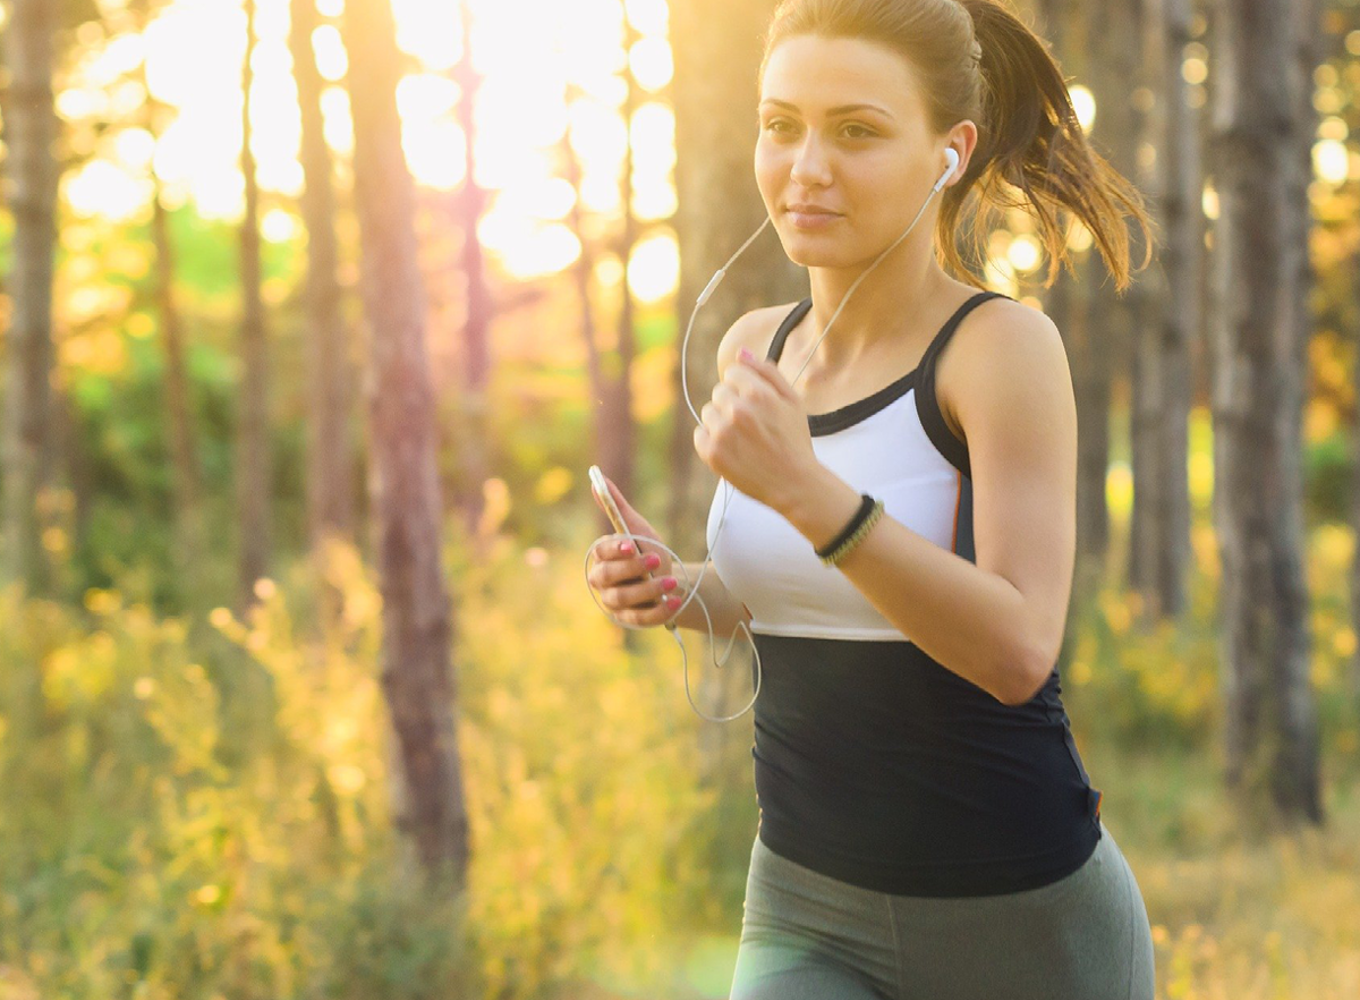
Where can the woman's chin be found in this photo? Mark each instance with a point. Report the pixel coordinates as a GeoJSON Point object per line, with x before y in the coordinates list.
{"type": "Point", "coordinates": [806, 253]}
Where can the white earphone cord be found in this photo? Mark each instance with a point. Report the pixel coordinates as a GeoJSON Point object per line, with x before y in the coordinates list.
{"type": "Point", "coordinates": [953, 157]}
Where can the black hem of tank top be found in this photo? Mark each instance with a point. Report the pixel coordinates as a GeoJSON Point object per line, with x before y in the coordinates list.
{"type": "Point", "coordinates": [922, 378]}
{"type": "Point", "coordinates": [946, 881]}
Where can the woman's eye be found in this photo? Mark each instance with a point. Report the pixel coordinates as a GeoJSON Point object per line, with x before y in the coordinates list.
{"type": "Point", "coordinates": [864, 133]}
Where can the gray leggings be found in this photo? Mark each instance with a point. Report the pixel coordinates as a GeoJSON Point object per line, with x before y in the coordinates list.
{"type": "Point", "coordinates": [807, 936]}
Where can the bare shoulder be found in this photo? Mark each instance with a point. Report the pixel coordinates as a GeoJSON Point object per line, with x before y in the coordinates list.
{"type": "Point", "coordinates": [1001, 336]}
{"type": "Point", "coordinates": [754, 331]}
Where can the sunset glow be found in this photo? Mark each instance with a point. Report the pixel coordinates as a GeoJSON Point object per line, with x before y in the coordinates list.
{"type": "Point", "coordinates": [530, 54]}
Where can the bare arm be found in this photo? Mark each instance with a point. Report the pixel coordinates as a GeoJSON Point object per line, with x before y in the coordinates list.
{"type": "Point", "coordinates": [725, 610]}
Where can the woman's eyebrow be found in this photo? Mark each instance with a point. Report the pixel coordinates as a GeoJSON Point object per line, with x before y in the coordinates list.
{"type": "Point", "coordinates": [842, 109]}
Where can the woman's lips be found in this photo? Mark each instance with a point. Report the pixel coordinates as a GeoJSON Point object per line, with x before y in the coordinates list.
{"type": "Point", "coordinates": [812, 219]}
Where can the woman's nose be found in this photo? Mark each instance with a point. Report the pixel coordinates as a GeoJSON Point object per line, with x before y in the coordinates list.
{"type": "Point", "coordinates": [810, 165]}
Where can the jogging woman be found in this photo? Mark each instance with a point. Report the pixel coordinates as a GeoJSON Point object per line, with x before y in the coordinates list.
{"type": "Point", "coordinates": [900, 538]}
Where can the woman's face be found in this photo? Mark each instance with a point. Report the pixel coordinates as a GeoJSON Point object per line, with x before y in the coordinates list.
{"type": "Point", "coordinates": [843, 127]}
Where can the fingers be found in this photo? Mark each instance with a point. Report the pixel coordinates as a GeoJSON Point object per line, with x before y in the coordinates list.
{"type": "Point", "coordinates": [646, 603]}
{"type": "Point", "coordinates": [628, 582]}
{"type": "Point", "coordinates": [612, 573]}
{"type": "Point", "coordinates": [610, 547]}
{"type": "Point", "coordinates": [631, 589]}
{"type": "Point", "coordinates": [653, 614]}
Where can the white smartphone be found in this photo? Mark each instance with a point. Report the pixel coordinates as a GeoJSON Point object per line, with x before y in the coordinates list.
{"type": "Point", "coordinates": [601, 489]}
{"type": "Point", "coordinates": [611, 509]}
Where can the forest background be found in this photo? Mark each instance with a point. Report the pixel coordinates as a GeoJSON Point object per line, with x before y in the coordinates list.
{"type": "Point", "coordinates": [302, 691]}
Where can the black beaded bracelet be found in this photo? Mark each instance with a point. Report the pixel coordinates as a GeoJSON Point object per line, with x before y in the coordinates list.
{"type": "Point", "coordinates": [866, 507]}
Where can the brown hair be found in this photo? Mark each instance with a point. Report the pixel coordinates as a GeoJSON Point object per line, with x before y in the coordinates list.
{"type": "Point", "coordinates": [977, 60]}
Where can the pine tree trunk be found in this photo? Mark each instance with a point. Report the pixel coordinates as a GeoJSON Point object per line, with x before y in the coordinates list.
{"type": "Point", "coordinates": [1258, 395]}
{"type": "Point", "coordinates": [1297, 782]}
{"type": "Point", "coordinates": [476, 376]}
{"type": "Point", "coordinates": [1116, 44]}
{"type": "Point", "coordinates": [186, 480]}
{"type": "Point", "coordinates": [583, 280]}
{"type": "Point", "coordinates": [30, 127]}
{"type": "Point", "coordinates": [330, 460]}
{"type": "Point", "coordinates": [1163, 384]}
{"type": "Point", "coordinates": [419, 686]}
{"type": "Point", "coordinates": [252, 453]}
{"type": "Point", "coordinates": [179, 418]}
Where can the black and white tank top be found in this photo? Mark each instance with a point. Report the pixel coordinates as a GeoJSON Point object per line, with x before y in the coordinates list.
{"type": "Point", "coordinates": [874, 763]}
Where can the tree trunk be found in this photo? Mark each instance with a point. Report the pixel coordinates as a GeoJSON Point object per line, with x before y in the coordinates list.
{"type": "Point", "coordinates": [1272, 764]}
{"type": "Point", "coordinates": [617, 435]}
{"type": "Point", "coordinates": [179, 418]}
{"type": "Point", "coordinates": [330, 377]}
{"type": "Point", "coordinates": [1163, 381]}
{"type": "Point", "coordinates": [420, 688]}
{"type": "Point", "coordinates": [583, 278]}
{"type": "Point", "coordinates": [716, 93]}
{"type": "Point", "coordinates": [30, 128]}
{"type": "Point", "coordinates": [476, 378]}
{"type": "Point", "coordinates": [186, 484]}
{"type": "Point", "coordinates": [1115, 41]}
{"type": "Point", "coordinates": [252, 454]}
{"type": "Point", "coordinates": [330, 461]}
{"type": "Point", "coordinates": [1297, 781]}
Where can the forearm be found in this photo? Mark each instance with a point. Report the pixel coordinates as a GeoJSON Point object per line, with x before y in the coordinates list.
{"type": "Point", "coordinates": [725, 610]}
{"type": "Point", "coordinates": [967, 619]}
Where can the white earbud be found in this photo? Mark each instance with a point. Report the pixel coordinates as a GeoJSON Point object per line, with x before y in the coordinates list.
{"type": "Point", "coordinates": [952, 155]}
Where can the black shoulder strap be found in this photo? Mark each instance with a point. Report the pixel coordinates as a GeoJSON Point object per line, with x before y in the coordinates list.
{"type": "Point", "coordinates": [927, 406]}
{"type": "Point", "coordinates": [782, 334]}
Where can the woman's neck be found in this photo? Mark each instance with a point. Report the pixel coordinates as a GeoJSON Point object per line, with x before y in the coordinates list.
{"type": "Point", "coordinates": [888, 301]}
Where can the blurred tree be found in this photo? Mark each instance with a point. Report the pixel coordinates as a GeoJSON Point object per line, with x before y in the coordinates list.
{"type": "Point", "coordinates": [1271, 728]}
{"type": "Point", "coordinates": [1163, 381]}
{"type": "Point", "coordinates": [29, 132]}
{"type": "Point", "coordinates": [188, 549]}
{"type": "Point", "coordinates": [616, 430]}
{"type": "Point", "coordinates": [476, 375]}
{"type": "Point", "coordinates": [420, 688]}
{"type": "Point", "coordinates": [252, 432]}
{"type": "Point", "coordinates": [330, 462]}
{"type": "Point", "coordinates": [1116, 50]}
{"type": "Point", "coordinates": [583, 280]}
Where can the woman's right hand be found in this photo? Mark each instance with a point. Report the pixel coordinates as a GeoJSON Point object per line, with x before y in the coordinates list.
{"type": "Point", "coordinates": [619, 576]}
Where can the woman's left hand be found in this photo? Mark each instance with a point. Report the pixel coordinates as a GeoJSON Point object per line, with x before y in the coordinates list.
{"type": "Point", "coordinates": [754, 433]}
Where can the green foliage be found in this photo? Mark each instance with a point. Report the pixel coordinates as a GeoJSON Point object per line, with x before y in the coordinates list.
{"type": "Point", "coordinates": [204, 816]}
{"type": "Point", "coordinates": [1328, 469]}
{"type": "Point", "coordinates": [1143, 685]}
{"type": "Point", "coordinates": [581, 764]}
{"type": "Point", "coordinates": [203, 811]}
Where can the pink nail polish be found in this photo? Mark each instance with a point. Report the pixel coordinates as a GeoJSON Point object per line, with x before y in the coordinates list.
{"type": "Point", "coordinates": [653, 560]}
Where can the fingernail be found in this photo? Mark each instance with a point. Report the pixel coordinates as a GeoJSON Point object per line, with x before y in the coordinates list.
{"type": "Point", "coordinates": [668, 583]}
{"type": "Point", "coordinates": [626, 547]}
{"type": "Point", "coordinates": [673, 601]}
{"type": "Point", "coordinates": [653, 560]}
{"type": "Point", "coordinates": [746, 355]}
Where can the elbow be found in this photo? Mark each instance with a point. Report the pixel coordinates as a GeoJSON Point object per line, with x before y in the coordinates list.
{"type": "Point", "coordinates": [1025, 675]}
